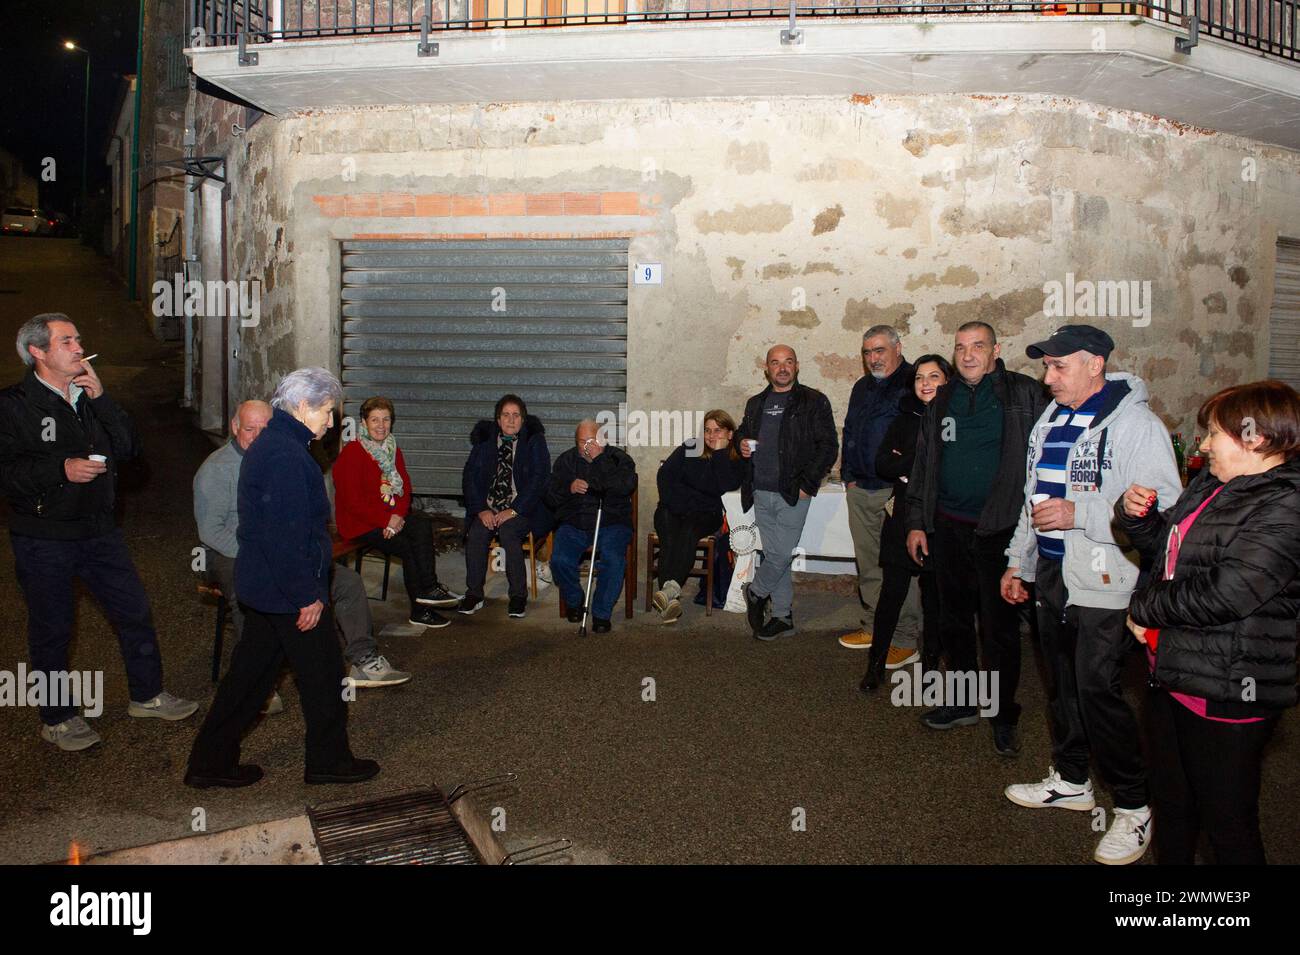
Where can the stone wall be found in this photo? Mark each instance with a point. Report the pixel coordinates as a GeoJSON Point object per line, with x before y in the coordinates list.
{"type": "Point", "coordinates": [801, 221]}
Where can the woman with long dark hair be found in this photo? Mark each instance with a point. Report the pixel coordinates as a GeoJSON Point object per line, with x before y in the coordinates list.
{"type": "Point", "coordinates": [691, 484]}
{"type": "Point", "coordinates": [1218, 619]}
{"type": "Point", "coordinates": [894, 463]}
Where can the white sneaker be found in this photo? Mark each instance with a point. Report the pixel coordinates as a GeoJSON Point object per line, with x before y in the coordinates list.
{"type": "Point", "coordinates": [71, 735]}
{"type": "Point", "coordinates": [164, 706]}
{"type": "Point", "coordinates": [1127, 839]}
{"type": "Point", "coordinates": [377, 671]}
{"type": "Point", "coordinates": [665, 595]}
{"type": "Point", "coordinates": [1052, 793]}
{"type": "Point", "coordinates": [544, 572]}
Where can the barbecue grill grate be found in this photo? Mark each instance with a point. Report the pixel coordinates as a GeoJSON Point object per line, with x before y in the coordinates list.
{"type": "Point", "coordinates": [410, 827]}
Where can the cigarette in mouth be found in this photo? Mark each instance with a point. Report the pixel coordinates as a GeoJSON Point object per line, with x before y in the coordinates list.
{"type": "Point", "coordinates": [89, 357]}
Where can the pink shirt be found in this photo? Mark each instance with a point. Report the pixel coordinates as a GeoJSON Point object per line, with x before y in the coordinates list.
{"type": "Point", "coordinates": [1179, 534]}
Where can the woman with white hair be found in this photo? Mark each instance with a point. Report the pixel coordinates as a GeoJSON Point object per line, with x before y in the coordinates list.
{"type": "Point", "coordinates": [282, 577]}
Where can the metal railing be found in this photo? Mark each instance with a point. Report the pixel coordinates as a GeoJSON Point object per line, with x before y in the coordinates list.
{"type": "Point", "coordinates": [1271, 27]}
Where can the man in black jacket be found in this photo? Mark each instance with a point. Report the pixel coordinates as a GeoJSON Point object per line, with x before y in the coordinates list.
{"type": "Point", "coordinates": [60, 440]}
{"type": "Point", "coordinates": [873, 406]}
{"type": "Point", "coordinates": [581, 479]}
{"type": "Point", "coordinates": [963, 501]}
{"type": "Point", "coordinates": [788, 437]}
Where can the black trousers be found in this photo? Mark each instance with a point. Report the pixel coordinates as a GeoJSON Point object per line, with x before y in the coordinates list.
{"type": "Point", "coordinates": [969, 570]}
{"type": "Point", "coordinates": [255, 664]}
{"type": "Point", "coordinates": [894, 584]}
{"type": "Point", "coordinates": [1085, 649]}
{"type": "Point", "coordinates": [46, 569]}
{"type": "Point", "coordinates": [679, 534]}
{"type": "Point", "coordinates": [1205, 776]}
{"type": "Point", "coordinates": [414, 546]}
{"type": "Point", "coordinates": [478, 544]}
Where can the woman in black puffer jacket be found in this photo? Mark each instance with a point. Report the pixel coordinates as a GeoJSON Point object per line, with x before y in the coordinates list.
{"type": "Point", "coordinates": [894, 463]}
{"type": "Point", "coordinates": [1219, 620]}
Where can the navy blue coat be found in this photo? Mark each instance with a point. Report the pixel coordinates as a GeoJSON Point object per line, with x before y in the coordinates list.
{"type": "Point", "coordinates": [873, 406]}
{"type": "Point", "coordinates": [532, 468]}
{"type": "Point", "coordinates": [284, 540]}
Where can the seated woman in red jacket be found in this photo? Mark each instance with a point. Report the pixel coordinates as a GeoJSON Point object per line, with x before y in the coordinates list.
{"type": "Point", "coordinates": [372, 503]}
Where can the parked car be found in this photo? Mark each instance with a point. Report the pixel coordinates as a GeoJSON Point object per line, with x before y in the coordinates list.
{"type": "Point", "coordinates": [25, 221]}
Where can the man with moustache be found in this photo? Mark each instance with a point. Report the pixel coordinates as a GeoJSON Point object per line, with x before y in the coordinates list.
{"type": "Point", "coordinates": [963, 501]}
{"type": "Point", "coordinates": [873, 405]}
{"type": "Point", "coordinates": [788, 438]}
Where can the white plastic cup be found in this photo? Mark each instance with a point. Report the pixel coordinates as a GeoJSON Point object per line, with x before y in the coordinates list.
{"type": "Point", "coordinates": [1037, 499]}
{"type": "Point", "coordinates": [753, 444]}
{"type": "Point", "coordinates": [102, 459]}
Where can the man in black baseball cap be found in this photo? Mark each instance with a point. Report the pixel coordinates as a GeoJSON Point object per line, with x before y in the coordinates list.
{"type": "Point", "coordinates": [1069, 339]}
{"type": "Point", "coordinates": [1095, 440]}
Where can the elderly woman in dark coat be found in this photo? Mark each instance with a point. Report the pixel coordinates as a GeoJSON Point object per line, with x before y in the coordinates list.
{"type": "Point", "coordinates": [1218, 619]}
{"type": "Point", "coordinates": [282, 577]}
{"type": "Point", "coordinates": [503, 483]}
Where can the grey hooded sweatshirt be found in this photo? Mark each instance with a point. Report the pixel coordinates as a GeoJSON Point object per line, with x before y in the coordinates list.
{"type": "Point", "coordinates": [1099, 569]}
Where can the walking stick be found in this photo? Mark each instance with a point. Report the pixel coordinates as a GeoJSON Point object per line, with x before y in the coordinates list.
{"type": "Point", "coordinates": [591, 568]}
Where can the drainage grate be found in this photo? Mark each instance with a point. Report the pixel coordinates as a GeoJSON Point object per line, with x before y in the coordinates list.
{"type": "Point", "coordinates": [410, 827]}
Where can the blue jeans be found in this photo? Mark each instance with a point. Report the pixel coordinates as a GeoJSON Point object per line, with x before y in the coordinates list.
{"type": "Point", "coordinates": [46, 569]}
{"type": "Point", "coordinates": [570, 542]}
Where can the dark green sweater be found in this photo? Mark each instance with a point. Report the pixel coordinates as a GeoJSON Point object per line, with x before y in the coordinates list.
{"type": "Point", "coordinates": [970, 449]}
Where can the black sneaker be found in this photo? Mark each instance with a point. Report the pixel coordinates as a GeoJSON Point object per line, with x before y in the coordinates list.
{"type": "Point", "coordinates": [517, 605]}
{"type": "Point", "coordinates": [946, 717]}
{"type": "Point", "coordinates": [754, 607]}
{"type": "Point", "coordinates": [242, 775]}
{"type": "Point", "coordinates": [470, 604]}
{"type": "Point", "coordinates": [575, 615]}
{"type": "Point", "coordinates": [357, 772]}
{"type": "Point", "coordinates": [428, 618]}
{"type": "Point", "coordinates": [1006, 739]}
{"type": "Point", "coordinates": [600, 626]}
{"type": "Point", "coordinates": [438, 596]}
{"type": "Point", "coordinates": [775, 628]}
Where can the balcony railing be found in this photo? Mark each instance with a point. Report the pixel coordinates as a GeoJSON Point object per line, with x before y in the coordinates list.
{"type": "Point", "coordinates": [1271, 27]}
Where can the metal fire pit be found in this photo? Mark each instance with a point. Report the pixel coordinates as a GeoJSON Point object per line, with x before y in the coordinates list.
{"type": "Point", "coordinates": [416, 827]}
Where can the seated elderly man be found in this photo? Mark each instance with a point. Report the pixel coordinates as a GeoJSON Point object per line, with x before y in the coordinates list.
{"type": "Point", "coordinates": [216, 511]}
{"type": "Point", "coordinates": [581, 478]}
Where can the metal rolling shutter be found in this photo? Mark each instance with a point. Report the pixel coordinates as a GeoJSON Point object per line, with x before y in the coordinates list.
{"type": "Point", "coordinates": [1284, 317]}
{"type": "Point", "coordinates": [419, 327]}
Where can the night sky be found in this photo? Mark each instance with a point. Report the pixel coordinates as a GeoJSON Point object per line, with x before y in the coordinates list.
{"type": "Point", "coordinates": [44, 85]}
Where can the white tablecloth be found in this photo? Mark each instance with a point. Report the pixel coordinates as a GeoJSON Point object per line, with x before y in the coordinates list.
{"type": "Point", "coordinates": [825, 534]}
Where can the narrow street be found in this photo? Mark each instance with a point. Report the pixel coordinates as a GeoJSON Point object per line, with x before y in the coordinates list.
{"type": "Point", "coordinates": [739, 736]}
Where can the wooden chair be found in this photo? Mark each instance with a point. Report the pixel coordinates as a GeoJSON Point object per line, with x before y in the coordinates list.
{"type": "Point", "coordinates": [704, 548]}
{"type": "Point", "coordinates": [629, 569]}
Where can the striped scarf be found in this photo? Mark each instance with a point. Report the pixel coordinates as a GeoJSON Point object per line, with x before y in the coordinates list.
{"type": "Point", "coordinates": [1067, 427]}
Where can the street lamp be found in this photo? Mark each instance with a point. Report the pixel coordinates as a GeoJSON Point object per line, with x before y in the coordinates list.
{"type": "Point", "coordinates": [85, 120]}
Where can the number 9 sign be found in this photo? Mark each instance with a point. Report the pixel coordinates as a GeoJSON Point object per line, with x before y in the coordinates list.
{"type": "Point", "coordinates": [650, 273]}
